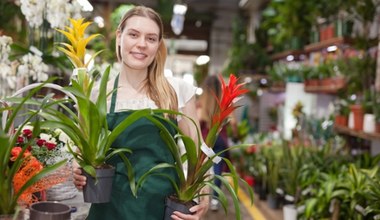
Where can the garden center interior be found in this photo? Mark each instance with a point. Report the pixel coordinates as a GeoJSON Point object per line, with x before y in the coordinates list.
{"type": "Point", "coordinates": [310, 120]}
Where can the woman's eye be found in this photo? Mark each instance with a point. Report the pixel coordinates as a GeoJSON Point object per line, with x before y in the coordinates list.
{"type": "Point", "coordinates": [152, 39]}
{"type": "Point", "coordinates": [132, 34]}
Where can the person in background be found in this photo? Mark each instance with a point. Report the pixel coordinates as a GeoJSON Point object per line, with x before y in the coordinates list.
{"type": "Point", "coordinates": [206, 107]}
{"type": "Point", "coordinates": [141, 84]}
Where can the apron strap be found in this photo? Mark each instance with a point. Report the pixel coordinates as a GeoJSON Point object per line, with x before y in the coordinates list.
{"type": "Point", "coordinates": [114, 95]}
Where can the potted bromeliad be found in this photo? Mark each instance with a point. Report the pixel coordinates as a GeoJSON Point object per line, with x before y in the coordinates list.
{"type": "Point", "coordinates": [200, 158]}
{"type": "Point", "coordinates": [22, 174]}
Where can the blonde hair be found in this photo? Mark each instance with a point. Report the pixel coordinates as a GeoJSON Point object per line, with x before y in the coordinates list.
{"type": "Point", "coordinates": [158, 87]}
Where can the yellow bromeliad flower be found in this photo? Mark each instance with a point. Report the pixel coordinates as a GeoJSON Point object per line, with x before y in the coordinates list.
{"type": "Point", "coordinates": [76, 50]}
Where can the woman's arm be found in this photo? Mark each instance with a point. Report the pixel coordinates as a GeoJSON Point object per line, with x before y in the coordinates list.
{"type": "Point", "coordinates": [186, 126]}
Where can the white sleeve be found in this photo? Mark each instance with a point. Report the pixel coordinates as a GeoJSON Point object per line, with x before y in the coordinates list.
{"type": "Point", "coordinates": [185, 91]}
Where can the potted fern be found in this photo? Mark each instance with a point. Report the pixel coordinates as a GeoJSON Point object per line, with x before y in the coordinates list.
{"type": "Point", "coordinates": [200, 158]}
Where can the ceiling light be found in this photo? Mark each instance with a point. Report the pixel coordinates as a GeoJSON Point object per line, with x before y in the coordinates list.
{"type": "Point", "coordinates": [203, 59]}
{"type": "Point", "coordinates": [180, 9]}
{"type": "Point", "coordinates": [332, 48]}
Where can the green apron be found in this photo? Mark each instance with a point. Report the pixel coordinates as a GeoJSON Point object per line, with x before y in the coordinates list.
{"type": "Point", "coordinates": [148, 150]}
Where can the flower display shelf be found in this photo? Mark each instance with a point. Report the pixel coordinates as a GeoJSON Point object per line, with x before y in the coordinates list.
{"type": "Point", "coordinates": [359, 134]}
{"type": "Point", "coordinates": [328, 85]}
{"type": "Point", "coordinates": [277, 89]}
{"type": "Point", "coordinates": [323, 89]}
{"type": "Point", "coordinates": [326, 43]}
{"type": "Point", "coordinates": [284, 54]}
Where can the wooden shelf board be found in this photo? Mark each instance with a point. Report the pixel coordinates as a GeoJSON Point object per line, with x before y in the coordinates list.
{"type": "Point", "coordinates": [360, 134]}
{"type": "Point", "coordinates": [284, 54]}
{"type": "Point", "coordinates": [322, 89]}
{"type": "Point", "coordinates": [326, 43]}
{"type": "Point", "coordinates": [276, 89]}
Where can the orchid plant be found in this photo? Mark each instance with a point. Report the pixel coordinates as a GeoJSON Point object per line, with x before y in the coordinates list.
{"type": "Point", "coordinates": [200, 156]}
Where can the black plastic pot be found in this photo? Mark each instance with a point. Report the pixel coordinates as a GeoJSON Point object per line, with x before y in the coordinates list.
{"type": "Point", "coordinates": [273, 201]}
{"type": "Point", "coordinates": [49, 211]}
{"type": "Point", "coordinates": [99, 190]}
{"type": "Point", "coordinates": [173, 204]}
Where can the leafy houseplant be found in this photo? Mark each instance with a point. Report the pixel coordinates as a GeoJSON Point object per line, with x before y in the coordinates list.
{"type": "Point", "coordinates": [273, 156]}
{"type": "Point", "coordinates": [342, 112]}
{"type": "Point", "coordinates": [200, 157]}
{"type": "Point", "coordinates": [14, 164]}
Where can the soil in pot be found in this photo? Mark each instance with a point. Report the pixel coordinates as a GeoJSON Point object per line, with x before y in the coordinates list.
{"type": "Point", "coordinates": [173, 204]}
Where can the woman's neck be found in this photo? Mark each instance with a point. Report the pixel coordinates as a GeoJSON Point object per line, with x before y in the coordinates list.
{"type": "Point", "coordinates": [132, 77]}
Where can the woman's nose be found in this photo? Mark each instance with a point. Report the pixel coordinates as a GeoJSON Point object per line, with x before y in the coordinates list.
{"type": "Point", "coordinates": [141, 42]}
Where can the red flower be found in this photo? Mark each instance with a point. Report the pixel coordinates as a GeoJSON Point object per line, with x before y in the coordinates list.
{"type": "Point", "coordinates": [40, 142]}
{"type": "Point", "coordinates": [251, 149]}
{"type": "Point", "coordinates": [50, 146]}
{"type": "Point", "coordinates": [27, 133]}
{"type": "Point", "coordinates": [230, 93]}
{"type": "Point", "coordinates": [15, 152]}
{"type": "Point", "coordinates": [229, 96]}
{"type": "Point", "coordinates": [20, 139]}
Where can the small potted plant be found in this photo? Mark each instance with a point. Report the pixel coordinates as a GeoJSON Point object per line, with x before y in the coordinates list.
{"type": "Point", "coordinates": [273, 158]}
{"type": "Point", "coordinates": [200, 158]}
{"type": "Point", "coordinates": [342, 111]}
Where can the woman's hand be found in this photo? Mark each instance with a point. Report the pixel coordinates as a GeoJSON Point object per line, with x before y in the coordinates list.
{"type": "Point", "coordinates": [198, 210]}
{"type": "Point", "coordinates": [79, 180]}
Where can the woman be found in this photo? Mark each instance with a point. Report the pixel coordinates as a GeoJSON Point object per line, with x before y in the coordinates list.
{"type": "Point", "coordinates": [141, 84]}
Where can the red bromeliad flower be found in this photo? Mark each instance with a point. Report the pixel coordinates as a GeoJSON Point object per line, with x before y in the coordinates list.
{"type": "Point", "coordinates": [230, 95]}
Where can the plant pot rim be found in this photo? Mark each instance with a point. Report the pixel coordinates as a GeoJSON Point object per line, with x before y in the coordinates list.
{"type": "Point", "coordinates": [32, 207]}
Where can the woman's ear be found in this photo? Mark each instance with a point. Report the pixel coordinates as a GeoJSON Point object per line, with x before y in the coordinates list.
{"type": "Point", "coordinates": [118, 35]}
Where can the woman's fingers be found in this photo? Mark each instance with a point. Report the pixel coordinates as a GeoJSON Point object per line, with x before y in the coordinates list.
{"type": "Point", "coordinates": [79, 180]}
{"type": "Point", "coordinates": [198, 210]}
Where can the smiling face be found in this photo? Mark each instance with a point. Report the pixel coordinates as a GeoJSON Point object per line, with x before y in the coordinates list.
{"type": "Point", "coordinates": [139, 41]}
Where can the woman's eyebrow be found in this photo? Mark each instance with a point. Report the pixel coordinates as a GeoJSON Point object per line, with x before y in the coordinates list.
{"type": "Point", "coordinates": [133, 29]}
